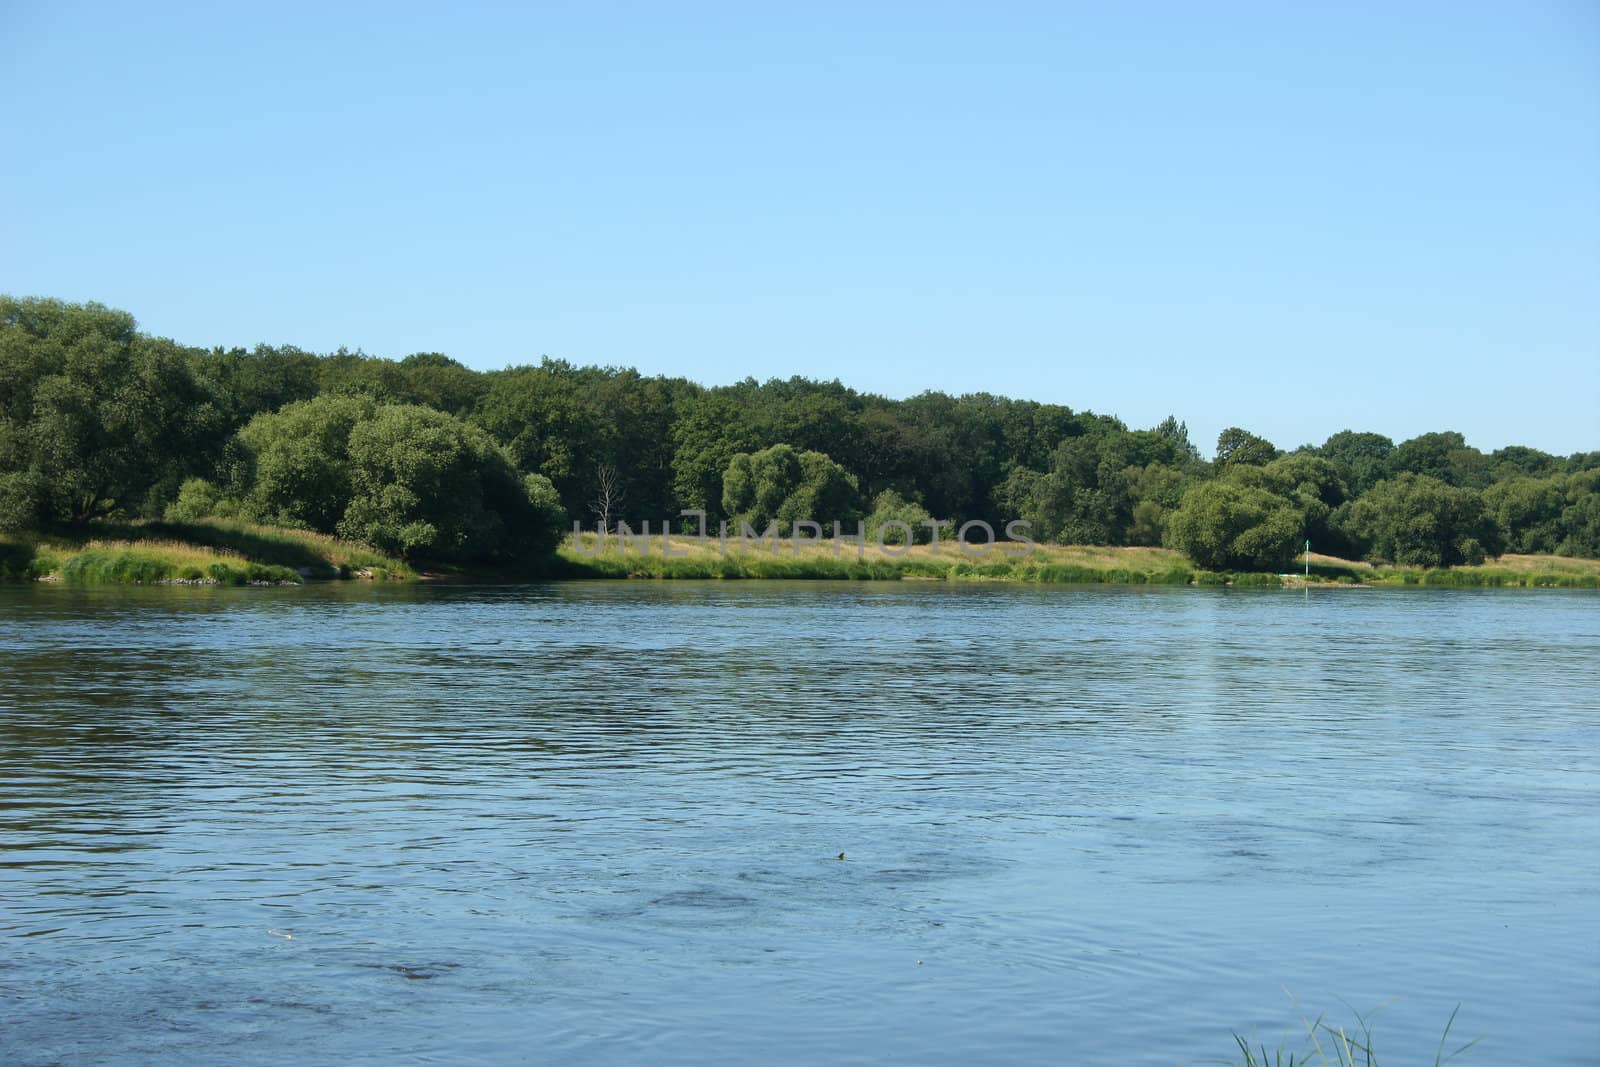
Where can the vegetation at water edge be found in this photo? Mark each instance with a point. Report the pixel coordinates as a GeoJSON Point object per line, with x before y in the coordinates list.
{"type": "Point", "coordinates": [1329, 1044]}
{"type": "Point", "coordinates": [210, 552]}
{"type": "Point", "coordinates": [432, 464]}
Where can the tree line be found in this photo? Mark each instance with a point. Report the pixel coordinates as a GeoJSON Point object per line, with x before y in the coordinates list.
{"type": "Point", "coordinates": [432, 460]}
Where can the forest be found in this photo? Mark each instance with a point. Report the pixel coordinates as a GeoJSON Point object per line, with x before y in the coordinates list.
{"type": "Point", "coordinates": [433, 461]}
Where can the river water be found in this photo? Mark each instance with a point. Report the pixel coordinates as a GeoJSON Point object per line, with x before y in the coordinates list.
{"type": "Point", "coordinates": [603, 823]}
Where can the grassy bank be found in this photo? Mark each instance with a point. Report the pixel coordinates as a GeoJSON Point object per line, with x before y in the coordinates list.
{"type": "Point", "coordinates": [1508, 571]}
{"type": "Point", "coordinates": [211, 552]}
{"type": "Point", "coordinates": [1048, 564]}
{"type": "Point", "coordinates": [230, 552]}
{"type": "Point", "coordinates": [1054, 564]}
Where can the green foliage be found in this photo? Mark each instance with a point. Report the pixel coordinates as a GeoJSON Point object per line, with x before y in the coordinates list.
{"type": "Point", "coordinates": [406, 479]}
{"type": "Point", "coordinates": [1444, 456]}
{"type": "Point", "coordinates": [264, 379]}
{"type": "Point", "coordinates": [781, 485]}
{"type": "Point", "coordinates": [1580, 515]}
{"type": "Point", "coordinates": [1106, 486]}
{"type": "Point", "coordinates": [1156, 490]}
{"type": "Point", "coordinates": [708, 431]}
{"type": "Point", "coordinates": [888, 507]}
{"type": "Point", "coordinates": [22, 497]}
{"type": "Point", "coordinates": [95, 418]}
{"type": "Point", "coordinates": [1177, 435]}
{"type": "Point", "coordinates": [1516, 460]}
{"type": "Point", "coordinates": [99, 421]}
{"type": "Point", "coordinates": [1237, 447]}
{"type": "Point", "coordinates": [1227, 526]}
{"type": "Point", "coordinates": [198, 499]}
{"type": "Point", "coordinates": [426, 485]}
{"type": "Point", "coordinates": [434, 380]}
{"type": "Point", "coordinates": [1310, 483]}
{"type": "Point", "coordinates": [1529, 511]}
{"type": "Point", "coordinates": [1361, 458]}
{"type": "Point", "coordinates": [550, 425]}
{"type": "Point", "coordinates": [292, 467]}
{"type": "Point", "coordinates": [1416, 520]}
{"type": "Point", "coordinates": [25, 561]}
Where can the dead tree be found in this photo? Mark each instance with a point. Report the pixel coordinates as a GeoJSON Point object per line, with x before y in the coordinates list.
{"type": "Point", "coordinates": [608, 495]}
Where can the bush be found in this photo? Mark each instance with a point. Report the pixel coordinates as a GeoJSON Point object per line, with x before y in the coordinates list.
{"type": "Point", "coordinates": [1226, 526]}
{"type": "Point", "coordinates": [197, 499]}
{"type": "Point", "coordinates": [890, 506]}
{"type": "Point", "coordinates": [779, 484]}
{"type": "Point", "coordinates": [21, 500]}
{"type": "Point", "coordinates": [1419, 521]}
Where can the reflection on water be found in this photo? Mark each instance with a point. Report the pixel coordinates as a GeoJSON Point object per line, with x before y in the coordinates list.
{"type": "Point", "coordinates": [605, 822]}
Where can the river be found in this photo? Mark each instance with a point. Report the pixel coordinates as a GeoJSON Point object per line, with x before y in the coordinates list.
{"type": "Point", "coordinates": [736, 822]}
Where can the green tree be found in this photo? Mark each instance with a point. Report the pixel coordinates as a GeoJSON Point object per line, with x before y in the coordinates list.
{"type": "Point", "coordinates": [1515, 460]}
{"type": "Point", "coordinates": [547, 418]}
{"type": "Point", "coordinates": [1089, 494]}
{"type": "Point", "coordinates": [427, 485]}
{"type": "Point", "coordinates": [292, 467]}
{"type": "Point", "coordinates": [1236, 446]}
{"type": "Point", "coordinates": [1417, 520]}
{"type": "Point", "coordinates": [889, 506]}
{"type": "Point", "coordinates": [783, 485]}
{"type": "Point", "coordinates": [709, 429]}
{"type": "Point", "coordinates": [262, 380]}
{"type": "Point", "coordinates": [1445, 456]}
{"type": "Point", "coordinates": [439, 382]}
{"type": "Point", "coordinates": [1223, 525]}
{"type": "Point", "coordinates": [1156, 491]}
{"type": "Point", "coordinates": [96, 419]}
{"type": "Point", "coordinates": [1315, 488]}
{"type": "Point", "coordinates": [1528, 511]}
{"type": "Point", "coordinates": [1177, 434]}
{"type": "Point", "coordinates": [1580, 515]}
{"type": "Point", "coordinates": [198, 499]}
{"type": "Point", "coordinates": [1361, 458]}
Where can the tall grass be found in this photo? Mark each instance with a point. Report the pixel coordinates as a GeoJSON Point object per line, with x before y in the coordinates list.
{"type": "Point", "coordinates": [151, 563]}
{"type": "Point", "coordinates": [318, 555]}
{"type": "Point", "coordinates": [1349, 1046]}
{"type": "Point", "coordinates": [1486, 577]}
{"type": "Point", "coordinates": [210, 551]}
{"type": "Point", "coordinates": [1032, 568]}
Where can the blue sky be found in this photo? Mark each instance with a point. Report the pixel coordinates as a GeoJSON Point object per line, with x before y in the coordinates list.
{"type": "Point", "coordinates": [1295, 218]}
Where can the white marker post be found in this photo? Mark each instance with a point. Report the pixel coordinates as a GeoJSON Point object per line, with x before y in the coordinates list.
{"type": "Point", "coordinates": [1308, 561]}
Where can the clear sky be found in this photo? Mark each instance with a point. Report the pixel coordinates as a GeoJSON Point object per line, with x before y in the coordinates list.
{"type": "Point", "coordinates": [1292, 217]}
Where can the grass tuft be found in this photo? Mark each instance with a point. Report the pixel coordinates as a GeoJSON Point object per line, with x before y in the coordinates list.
{"type": "Point", "coordinates": [1349, 1047]}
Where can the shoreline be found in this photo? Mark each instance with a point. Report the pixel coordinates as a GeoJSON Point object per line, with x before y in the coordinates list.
{"type": "Point", "coordinates": [231, 553]}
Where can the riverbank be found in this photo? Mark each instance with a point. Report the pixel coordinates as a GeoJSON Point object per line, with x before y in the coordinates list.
{"type": "Point", "coordinates": [690, 558]}
{"type": "Point", "coordinates": [211, 552]}
{"type": "Point", "coordinates": [230, 552]}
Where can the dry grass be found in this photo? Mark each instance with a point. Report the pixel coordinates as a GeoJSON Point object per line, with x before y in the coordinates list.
{"type": "Point", "coordinates": [179, 553]}
{"type": "Point", "coordinates": [691, 557]}
{"type": "Point", "coordinates": [1543, 565]}
{"type": "Point", "coordinates": [1099, 557]}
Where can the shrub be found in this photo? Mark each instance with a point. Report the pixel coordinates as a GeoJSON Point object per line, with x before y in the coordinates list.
{"type": "Point", "coordinates": [1419, 521]}
{"type": "Point", "coordinates": [889, 506]}
{"type": "Point", "coordinates": [197, 499]}
{"type": "Point", "coordinates": [1225, 526]}
{"type": "Point", "coordinates": [779, 484]}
